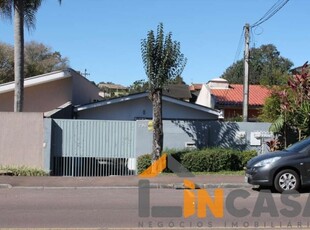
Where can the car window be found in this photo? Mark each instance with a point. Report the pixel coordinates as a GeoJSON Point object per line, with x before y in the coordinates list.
{"type": "Point", "coordinates": [299, 146]}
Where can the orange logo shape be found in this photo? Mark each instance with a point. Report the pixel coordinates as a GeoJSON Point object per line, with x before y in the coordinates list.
{"type": "Point", "coordinates": [156, 168]}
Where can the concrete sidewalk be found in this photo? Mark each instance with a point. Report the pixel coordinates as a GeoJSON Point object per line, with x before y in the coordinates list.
{"type": "Point", "coordinates": [162, 181]}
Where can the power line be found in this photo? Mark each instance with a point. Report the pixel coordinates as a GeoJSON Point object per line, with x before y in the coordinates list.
{"type": "Point", "coordinates": [272, 11]}
{"type": "Point", "coordinates": [238, 51]}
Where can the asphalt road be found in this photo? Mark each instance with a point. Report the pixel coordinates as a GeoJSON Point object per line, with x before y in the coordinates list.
{"type": "Point", "coordinates": [117, 208]}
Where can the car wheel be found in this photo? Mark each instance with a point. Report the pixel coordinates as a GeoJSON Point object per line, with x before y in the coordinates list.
{"type": "Point", "coordinates": [286, 180]}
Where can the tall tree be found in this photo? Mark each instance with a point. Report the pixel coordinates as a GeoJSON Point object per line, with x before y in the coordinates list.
{"type": "Point", "coordinates": [163, 61]}
{"type": "Point", "coordinates": [267, 67]}
{"type": "Point", "coordinates": [24, 12]}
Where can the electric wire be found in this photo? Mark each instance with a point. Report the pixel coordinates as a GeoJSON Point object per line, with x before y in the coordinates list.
{"type": "Point", "coordinates": [272, 11]}
{"type": "Point", "coordinates": [238, 51]}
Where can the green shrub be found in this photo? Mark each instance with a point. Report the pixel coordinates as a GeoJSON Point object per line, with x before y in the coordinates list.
{"type": "Point", "coordinates": [205, 160]}
{"type": "Point", "coordinates": [246, 156]}
{"type": "Point", "coordinates": [177, 155]}
{"type": "Point", "coordinates": [23, 171]}
{"type": "Point", "coordinates": [216, 159]}
{"type": "Point", "coordinates": [143, 162]}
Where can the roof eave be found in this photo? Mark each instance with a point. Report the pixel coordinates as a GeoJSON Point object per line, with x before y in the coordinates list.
{"type": "Point", "coordinates": [36, 80]}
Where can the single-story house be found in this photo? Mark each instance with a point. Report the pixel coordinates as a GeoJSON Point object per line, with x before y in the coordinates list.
{"type": "Point", "coordinates": [112, 90]}
{"type": "Point", "coordinates": [139, 107]}
{"type": "Point", "coordinates": [219, 94]}
{"type": "Point", "coordinates": [194, 89]}
{"type": "Point", "coordinates": [178, 91]}
{"type": "Point", "coordinates": [53, 93]}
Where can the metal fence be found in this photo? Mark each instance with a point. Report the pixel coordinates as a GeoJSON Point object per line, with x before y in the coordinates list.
{"type": "Point", "coordinates": [93, 148]}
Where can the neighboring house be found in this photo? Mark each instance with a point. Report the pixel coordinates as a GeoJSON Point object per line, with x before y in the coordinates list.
{"type": "Point", "coordinates": [228, 98]}
{"type": "Point", "coordinates": [53, 93]}
{"type": "Point", "coordinates": [139, 107]}
{"type": "Point", "coordinates": [194, 89]}
{"type": "Point", "coordinates": [298, 70]}
{"type": "Point", "coordinates": [178, 91]}
{"type": "Point", "coordinates": [112, 90]}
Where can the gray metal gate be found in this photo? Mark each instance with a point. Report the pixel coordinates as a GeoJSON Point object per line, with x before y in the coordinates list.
{"type": "Point", "coordinates": [93, 147]}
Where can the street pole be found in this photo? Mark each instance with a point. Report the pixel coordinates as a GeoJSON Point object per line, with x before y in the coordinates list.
{"type": "Point", "coordinates": [246, 73]}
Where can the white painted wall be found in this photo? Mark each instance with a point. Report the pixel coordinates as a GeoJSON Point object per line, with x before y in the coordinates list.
{"type": "Point", "coordinates": [205, 98]}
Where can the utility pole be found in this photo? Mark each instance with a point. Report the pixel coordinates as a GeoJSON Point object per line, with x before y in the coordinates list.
{"type": "Point", "coordinates": [246, 73]}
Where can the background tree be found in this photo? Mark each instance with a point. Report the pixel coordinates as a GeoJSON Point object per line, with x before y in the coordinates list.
{"type": "Point", "coordinates": [138, 86]}
{"type": "Point", "coordinates": [162, 61]}
{"type": "Point", "coordinates": [142, 85]}
{"type": "Point", "coordinates": [178, 80]}
{"type": "Point", "coordinates": [297, 102]}
{"type": "Point", "coordinates": [6, 63]}
{"type": "Point", "coordinates": [271, 110]}
{"type": "Point", "coordinates": [24, 11]}
{"type": "Point", "coordinates": [292, 106]}
{"type": "Point", "coordinates": [267, 67]}
{"type": "Point", "coordinates": [39, 59]}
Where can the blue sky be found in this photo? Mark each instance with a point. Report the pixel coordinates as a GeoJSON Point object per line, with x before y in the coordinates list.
{"type": "Point", "coordinates": [103, 36]}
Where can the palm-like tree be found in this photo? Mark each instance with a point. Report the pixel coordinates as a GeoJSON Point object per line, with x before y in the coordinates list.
{"type": "Point", "coordinates": [162, 61]}
{"type": "Point", "coordinates": [24, 13]}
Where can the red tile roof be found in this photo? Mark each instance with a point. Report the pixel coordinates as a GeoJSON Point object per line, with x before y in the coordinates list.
{"type": "Point", "coordinates": [234, 95]}
{"type": "Point", "coordinates": [194, 87]}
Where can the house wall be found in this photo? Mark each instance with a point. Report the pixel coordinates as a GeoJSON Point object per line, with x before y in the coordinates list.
{"type": "Point", "coordinates": [84, 91]}
{"type": "Point", "coordinates": [204, 97]}
{"type": "Point", "coordinates": [7, 102]}
{"type": "Point", "coordinates": [26, 138]}
{"type": "Point", "coordinates": [141, 109]}
{"type": "Point", "coordinates": [179, 134]}
{"type": "Point", "coordinates": [21, 139]}
{"type": "Point", "coordinates": [127, 110]}
{"type": "Point", "coordinates": [233, 113]}
{"type": "Point", "coordinates": [40, 98]}
{"type": "Point", "coordinates": [174, 111]}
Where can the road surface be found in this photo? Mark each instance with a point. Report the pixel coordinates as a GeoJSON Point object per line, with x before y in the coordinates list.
{"type": "Point", "coordinates": [110, 208]}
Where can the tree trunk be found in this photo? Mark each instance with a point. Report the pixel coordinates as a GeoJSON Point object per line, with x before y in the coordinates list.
{"type": "Point", "coordinates": [19, 55]}
{"type": "Point", "coordinates": [157, 124]}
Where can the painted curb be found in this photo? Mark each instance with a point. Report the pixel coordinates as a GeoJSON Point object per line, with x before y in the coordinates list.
{"type": "Point", "coordinates": [5, 186]}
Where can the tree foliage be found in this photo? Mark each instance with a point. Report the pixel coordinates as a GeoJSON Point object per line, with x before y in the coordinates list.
{"type": "Point", "coordinates": [162, 58]}
{"type": "Point", "coordinates": [142, 85]}
{"type": "Point", "coordinates": [267, 67]}
{"type": "Point", "coordinates": [39, 59]}
{"type": "Point", "coordinates": [24, 13]}
{"type": "Point", "coordinates": [289, 107]}
{"type": "Point", "coordinates": [295, 102]}
{"type": "Point", "coordinates": [163, 61]}
{"type": "Point", "coordinates": [138, 86]}
{"type": "Point", "coordinates": [30, 8]}
{"type": "Point", "coordinates": [6, 63]}
{"type": "Point", "coordinates": [271, 110]}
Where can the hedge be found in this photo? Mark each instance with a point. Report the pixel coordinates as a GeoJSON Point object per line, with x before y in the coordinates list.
{"type": "Point", "coordinates": [22, 171]}
{"type": "Point", "coordinates": [206, 160]}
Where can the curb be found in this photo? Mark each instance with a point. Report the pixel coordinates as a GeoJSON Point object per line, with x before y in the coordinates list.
{"type": "Point", "coordinates": [178, 186]}
{"type": "Point", "coordinates": [5, 186]}
{"type": "Point", "coordinates": [210, 186]}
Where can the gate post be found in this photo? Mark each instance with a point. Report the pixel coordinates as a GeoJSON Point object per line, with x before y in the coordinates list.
{"type": "Point", "coordinates": [47, 163]}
